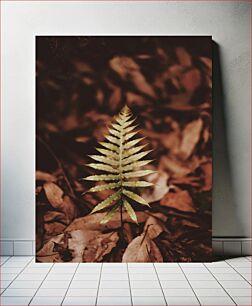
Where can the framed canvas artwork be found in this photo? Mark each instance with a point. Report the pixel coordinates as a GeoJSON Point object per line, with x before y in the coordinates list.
{"type": "Point", "coordinates": [123, 148]}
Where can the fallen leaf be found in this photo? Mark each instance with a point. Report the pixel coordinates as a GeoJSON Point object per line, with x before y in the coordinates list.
{"type": "Point", "coordinates": [128, 69]}
{"type": "Point", "coordinates": [99, 246]}
{"type": "Point", "coordinates": [190, 138]}
{"type": "Point", "coordinates": [179, 199]}
{"type": "Point", "coordinates": [142, 249]}
{"type": "Point", "coordinates": [44, 176]}
{"type": "Point", "coordinates": [159, 189]}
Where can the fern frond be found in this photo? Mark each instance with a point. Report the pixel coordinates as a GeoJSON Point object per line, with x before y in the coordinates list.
{"type": "Point", "coordinates": [121, 157]}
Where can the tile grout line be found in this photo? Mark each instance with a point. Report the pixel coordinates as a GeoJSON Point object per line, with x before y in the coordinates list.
{"type": "Point", "coordinates": [238, 273]}
{"type": "Point", "coordinates": [129, 284]}
{"type": "Point", "coordinates": [16, 276]}
{"type": "Point", "coordinates": [220, 284]}
{"type": "Point", "coordinates": [9, 257]}
{"type": "Point", "coordinates": [96, 300]}
{"type": "Point", "coordinates": [41, 283]}
{"type": "Point", "coordinates": [189, 284]}
{"type": "Point", "coordinates": [69, 284]}
{"type": "Point", "coordinates": [160, 283]}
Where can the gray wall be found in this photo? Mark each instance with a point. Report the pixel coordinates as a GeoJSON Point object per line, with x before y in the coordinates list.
{"type": "Point", "coordinates": [227, 22]}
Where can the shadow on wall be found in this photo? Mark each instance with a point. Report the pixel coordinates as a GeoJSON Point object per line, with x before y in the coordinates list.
{"type": "Point", "coordinates": [226, 220]}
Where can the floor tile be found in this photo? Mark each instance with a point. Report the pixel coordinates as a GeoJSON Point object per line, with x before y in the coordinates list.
{"type": "Point", "coordinates": [220, 300]}
{"type": "Point", "coordinates": [178, 292]}
{"type": "Point", "coordinates": [205, 284]}
{"type": "Point", "coordinates": [239, 291]}
{"type": "Point", "coordinates": [114, 292]}
{"type": "Point", "coordinates": [14, 264]}
{"type": "Point", "coordinates": [82, 292]}
{"type": "Point", "coordinates": [144, 284]}
{"type": "Point", "coordinates": [87, 277]}
{"type": "Point", "coordinates": [220, 264]}
{"type": "Point", "coordinates": [55, 284]}
{"type": "Point", "coordinates": [47, 300]}
{"type": "Point", "coordinates": [175, 284]}
{"type": "Point", "coordinates": [21, 258]}
{"type": "Point", "coordinates": [163, 270]}
{"type": "Point", "coordinates": [243, 270]}
{"type": "Point", "coordinates": [25, 284]}
{"type": "Point", "coordinates": [243, 300]}
{"type": "Point", "coordinates": [234, 284]}
{"type": "Point", "coordinates": [5, 283]}
{"type": "Point", "coordinates": [141, 300]}
{"type": "Point", "coordinates": [30, 276]}
{"type": "Point", "coordinates": [78, 284]}
{"type": "Point", "coordinates": [114, 284]}
{"type": "Point", "coordinates": [113, 277]}
{"type": "Point", "coordinates": [79, 301]}
{"type": "Point", "coordinates": [36, 270]}
{"type": "Point", "coordinates": [172, 276]}
{"type": "Point", "coordinates": [103, 300]}
{"type": "Point", "coordinates": [200, 276]}
{"type": "Point", "coordinates": [190, 300]}
{"type": "Point", "coordinates": [56, 276]}
{"type": "Point", "coordinates": [15, 300]}
{"type": "Point", "coordinates": [51, 292]}
{"type": "Point", "coordinates": [120, 269]}
{"type": "Point", "coordinates": [239, 264]}
{"type": "Point", "coordinates": [10, 270]}
{"type": "Point", "coordinates": [209, 292]}
{"type": "Point", "coordinates": [229, 276]}
{"type": "Point", "coordinates": [140, 270]}
{"type": "Point", "coordinates": [7, 276]}
{"type": "Point", "coordinates": [146, 292]}
{"type": "Point", "coordinates": [248, 277]}
{"type": "Point", "coordinates": [195, 270]}
{"type": "Point", "coordinates": [220, 270]}
{"type": "Point", "coordinates": [19, 292]}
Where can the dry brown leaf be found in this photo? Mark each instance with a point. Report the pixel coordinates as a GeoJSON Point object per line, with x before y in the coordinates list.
{"type": "Point", "coordinates": [175, 167]}
{"type": "Point", "coordinates": [183, 57]}
{"type": "Point", "coordinates": [99, 246]}
{"type": "Point", "coordinates": [180, 199]}
{"type": "Point", "coordinates": [190, 138]}
{"type": "Point", "coordinates": [47, 253]}
{"type": "Point", "coordinates": [154, 227]}
{"type": "Point", "coordinates": [160, 188]}
{"type": "Point", "coordinates": [191, 80]}
{"type": "Point", "coordinates": [207, 169]}
{"type": "Point", "coordinates": [128, 69]}
{"type": "Point", "coordinates": [142, 249]}
{"type": "Point", "coordinates": [44, 176]}
{"type": "Point", "coordinates": [54, 194]}
{"type": "Point", "coordinates": [55, 197]}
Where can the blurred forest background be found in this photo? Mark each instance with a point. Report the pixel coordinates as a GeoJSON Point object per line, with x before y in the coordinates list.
{"type": "Point", "coordinates": [81, 83]}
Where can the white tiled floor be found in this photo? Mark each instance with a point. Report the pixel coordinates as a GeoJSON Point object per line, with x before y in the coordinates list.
{"type": "Point", "coordinates": [24, 282]}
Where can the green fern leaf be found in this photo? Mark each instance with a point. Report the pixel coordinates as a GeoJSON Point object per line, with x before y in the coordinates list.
{"type": "Point", "coordinates": [105, 187]}
{"type": "Point", "coordinates": [104, 160]}
{"type": "Point", "coordinates": [137, 184]}
{"type": "Point", "coordinates": [134, 157]}
{"type": "Point", "coordinates": [103, 167]}
{"type": "Point", "coordinates": [135, 197]}
{"type": "Point", "coordinates": [136, 165]}
{"type": "Point", "coordinates": [132, 143]}
{"type": "Point", "coordinates": [121, 157]}
{"type": "Point", "coordinates": [130, 211]}
{"type": "Point", "coordinates": [102, 177]}
{"type": "Point", "coordinates": [139, 173]}
{"type": "Point", "coordinates": [107, 202]}
{"type": "Point", "coordinates": [110, 214]}
{"type": "Point", "coordinates": [109, 146]}
{"type": "Point", "coordinates": [108, 153]}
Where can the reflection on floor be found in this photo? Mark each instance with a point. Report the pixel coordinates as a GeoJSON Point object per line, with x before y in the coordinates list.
{"type": "Point", "coordinates": [24, 282]}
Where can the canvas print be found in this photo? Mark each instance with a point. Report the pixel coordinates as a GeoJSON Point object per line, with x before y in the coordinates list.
{"type": "Point", "coordinates": [123, 148]}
